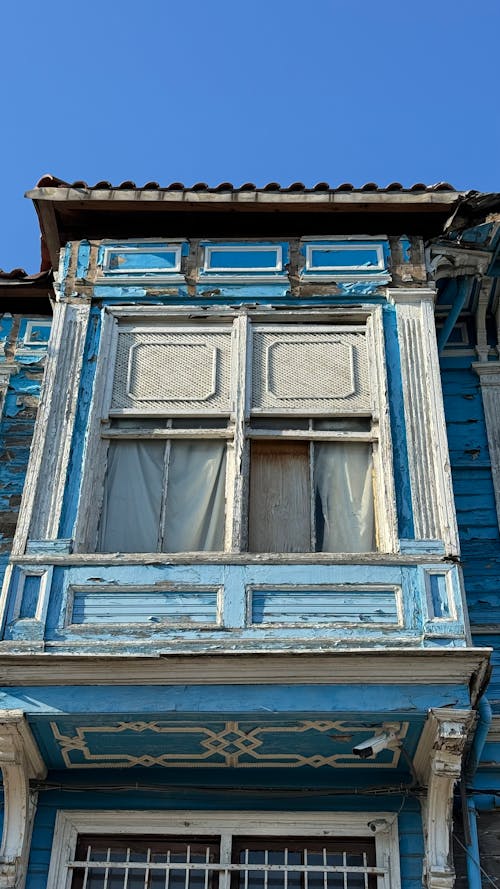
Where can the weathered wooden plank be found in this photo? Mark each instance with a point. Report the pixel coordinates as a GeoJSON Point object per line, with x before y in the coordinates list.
{"type": "Point", "coordinates": [329, 606]}
{"type": "Point", "coordinates": [127, 607]}
{"type": "Point", "coordinates": [280, 511]}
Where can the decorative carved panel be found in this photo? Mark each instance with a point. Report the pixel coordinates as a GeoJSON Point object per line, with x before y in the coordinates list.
{"type": "Point", "coordinates": [310, 372]}
{"type": "Point", "coordinates": [172, 371]}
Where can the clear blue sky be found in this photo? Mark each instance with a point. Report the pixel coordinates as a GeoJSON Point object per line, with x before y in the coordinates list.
{"type": "Point", "coordinates": [216, 90]}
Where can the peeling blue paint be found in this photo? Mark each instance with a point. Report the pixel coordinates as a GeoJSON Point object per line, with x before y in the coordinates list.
{"type": "Point", "coordinates": [398, 426]}
{"type": "Point", "coordinates": [82, 265]}
{"type": "Point", "coordinates": [405, 246]}
{"type": "Point", "coordinates": [70, 503]}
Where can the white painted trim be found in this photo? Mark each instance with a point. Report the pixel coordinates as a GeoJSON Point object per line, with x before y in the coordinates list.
{"type": "Point", "coordinates": [352, 278]}
{"type": "Point", "coordinates": [384, 492]}
{"type": "Point", "coordinates": [20, 761]}
{"type": "Point", "coordinates": [438, 765]}
{"type": "Point", "coordinates": [449, 574]}
{"type": "Point", "coordinates": [45, 573]}
{"type": "Point", "coordinates": [27, 341]}
{"type": "Point", "coordinates": [382, 826]}
{"type": "Point", "coordinates": [489, 377]}
{"type": "Point", "coordinates": [175, 248]}
{"type": "Point", "coordinates": [404, 666]}
{"type": "Point", "coordinates": [41, 503]}
{"type": "Point", "coordinates": [209, 249]}
{"type": "Point", "coordinates": [6, 371]}
{"type": "Point", "coordinates": [94, 457]}
{"type": "Point", "coordinates": [429, 463]}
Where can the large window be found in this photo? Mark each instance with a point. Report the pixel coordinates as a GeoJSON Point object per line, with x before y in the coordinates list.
{"type": "Point", "coordinates": [306, 851]}
{"type": "Point", "coordinates": [243, 437]}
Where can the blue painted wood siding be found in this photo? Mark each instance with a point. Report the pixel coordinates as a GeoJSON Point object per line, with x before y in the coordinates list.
{"type": "Point", "coordinates": [23, 342]}
{"type": "Point", "coordinates": [475, 504]}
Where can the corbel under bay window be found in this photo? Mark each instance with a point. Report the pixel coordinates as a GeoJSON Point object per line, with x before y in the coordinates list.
{"type": "Point", "coordinates": [245, 436]}
{"type": "Point", "coordinates": [248, 850]}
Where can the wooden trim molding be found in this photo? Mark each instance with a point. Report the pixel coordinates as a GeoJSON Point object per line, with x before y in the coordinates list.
{"type": "Point", "coordinates": [489, 377]}
{"type": "Point", "coordinates": [438, 766]}
{"type": "Point", "coordinates": [430, 473]}
{"type": "Point", "coordinates": [20, 761]}
{"type": "Point", "coordinates": [41, 503]}
{"type": "Point", "coordinates": [382, 826]}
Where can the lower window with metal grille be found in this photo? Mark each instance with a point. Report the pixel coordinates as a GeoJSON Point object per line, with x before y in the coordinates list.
{"type": "Point", "coordinates": [217, 856]}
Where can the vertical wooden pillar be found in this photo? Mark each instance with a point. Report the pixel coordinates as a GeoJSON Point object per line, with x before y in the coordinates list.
{"type": "Point", "coordinates": [430, 474]}
{"type": "Point", "coordinates": [489, 376]}
{"type": "Point", "coordinates": [40, 510]}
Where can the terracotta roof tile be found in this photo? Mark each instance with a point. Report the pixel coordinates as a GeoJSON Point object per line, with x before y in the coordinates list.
{"type": "Point", "coordinates": [54, 182]}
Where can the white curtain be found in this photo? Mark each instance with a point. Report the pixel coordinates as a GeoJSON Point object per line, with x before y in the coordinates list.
{"type": "Point", "coordinates": [343, 493]}
{"type": "Point", "coordinates": [132, 497]}
{"type": "Point", "coordinates": [194, 514]}
{"type": "Point", "coordinates": [135, 488]}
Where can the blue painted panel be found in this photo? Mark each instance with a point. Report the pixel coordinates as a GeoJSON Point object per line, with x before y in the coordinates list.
{"type": "Point", "coordinates": [405, 245]}
{"type": "Point", "coordinates": [346, 258]}
{"type": "Point", "coordinates": [324, 606]}
{"type": "Point", "coordinates": [31, 591]}
{"type": "Point", "coordinates": [122, 261]}
{"type": "Point", "coordinates": [132, 606]}
{"type": "Point", "coordinates": [439, 595]}
{"type": "Point", "coordinates": [74, 476]}
{"type": "Point", "coordinates": [345, 602]}
{"type": "Point", "coordinates": [398, 426]}
{"type": "Point", "coordinates": [359, 258]}
{"type": "Point", "coordinates": [34, 332]}
{"type": "Point", "coordinates": [42, 702]}
{"type": "Point", "coordinates": [237, 260]}
{"type": "Point", "coordinates": [82, 264]}
{"type": "Point", "coordinates": [26, 347]}
{"type": "Point", "coordinates": [248, 260]}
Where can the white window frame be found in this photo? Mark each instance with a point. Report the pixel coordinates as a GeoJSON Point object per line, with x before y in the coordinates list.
{"type": "Point", "coordinates": [382, 826]}
{"type": "Point", "coordinates": [237, 483]}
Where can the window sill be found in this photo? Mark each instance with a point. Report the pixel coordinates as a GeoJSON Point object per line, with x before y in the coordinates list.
{"type": "Point", "coordinates": [226, 558]}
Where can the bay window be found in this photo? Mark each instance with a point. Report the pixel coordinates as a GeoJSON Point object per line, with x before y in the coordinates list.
{"type": "Point", "coordinates": [243, 437]}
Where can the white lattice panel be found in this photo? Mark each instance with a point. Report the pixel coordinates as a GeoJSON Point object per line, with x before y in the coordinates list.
{"type": "Point", "coordinates": [172, 371]}
{"type": "Point", "coordinates": [310, 371]}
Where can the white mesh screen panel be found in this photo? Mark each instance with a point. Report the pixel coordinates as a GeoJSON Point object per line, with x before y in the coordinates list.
{"type": "Point", "coordinates": [172, 371]}
{"type": "Point", "coordinates": [310, 371]}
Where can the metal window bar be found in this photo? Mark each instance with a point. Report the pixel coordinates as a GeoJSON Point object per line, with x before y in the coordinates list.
{"type": "Point", "coordinates": [125, 877]}
{"type": "Point", "coordinates": [209, 867]}
{"type": "Point", "coordinates": [97, 869]}
{"type": "Point", "coordinates": [167, 870]}
{"type": "Point", "coordinates": [106, 872]}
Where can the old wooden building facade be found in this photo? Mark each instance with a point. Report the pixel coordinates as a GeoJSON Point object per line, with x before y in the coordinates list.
{"type": "Point", "coordinates": [236, 649]}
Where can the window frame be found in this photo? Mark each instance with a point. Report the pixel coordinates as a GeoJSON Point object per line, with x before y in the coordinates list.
{"type": "Point", "coordinates": [380, 825]}
{"type": "Point", "coordinates": [237, 482]}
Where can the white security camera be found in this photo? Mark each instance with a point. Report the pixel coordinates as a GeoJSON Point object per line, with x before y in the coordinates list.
{"type": "Point", "coordinates": [378, 825]}
{"type": "Point", "coordinates": [385, 741]}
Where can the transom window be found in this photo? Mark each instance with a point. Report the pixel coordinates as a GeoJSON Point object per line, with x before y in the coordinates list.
{"type": "Point", "coordinates": [242, 437]}
{"type": "Point", "coordinates": [114, 862]}
{"type": "Point", "coordinates": [182, 849]}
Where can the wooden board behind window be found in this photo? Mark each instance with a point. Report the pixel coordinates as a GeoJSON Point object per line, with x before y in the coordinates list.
{"type": "Point", "coordinates": [280, 509]}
